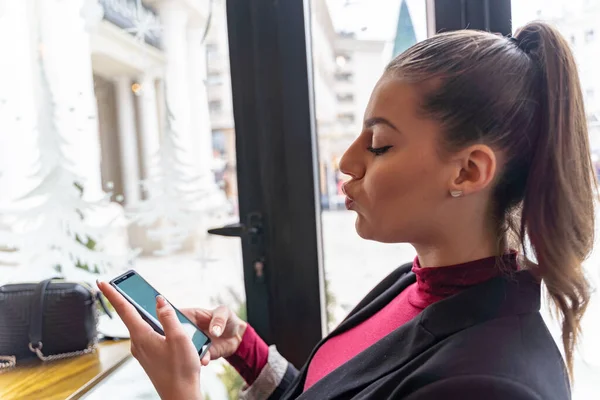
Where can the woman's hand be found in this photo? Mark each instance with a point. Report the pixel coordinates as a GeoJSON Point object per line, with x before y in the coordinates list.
{"type": "Point", "coordinates": [224, 328]}
{"type": "Point", "coordinates": [171, 361]}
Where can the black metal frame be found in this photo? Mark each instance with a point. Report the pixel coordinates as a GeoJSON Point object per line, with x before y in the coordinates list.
{"type": "Point", "coordinates": [277, 164]}
{"type": "Point", "coordinates": [270, 57]}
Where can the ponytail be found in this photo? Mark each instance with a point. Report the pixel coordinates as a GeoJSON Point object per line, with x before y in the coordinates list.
{"type": "Point", "coordinates": [558, 206]}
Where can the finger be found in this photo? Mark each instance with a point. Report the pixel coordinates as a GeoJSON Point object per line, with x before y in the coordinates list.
{"type": "Point", "coordinates": [206, 359]}
{"type": "Point", "coordinates": [168, 318]}
{"type": "Point", "coordinates": [131, 318]}
{"type": "Point", "coordinates": [198, 316]}
{"type": "Point", "coordinates": [220, 316]}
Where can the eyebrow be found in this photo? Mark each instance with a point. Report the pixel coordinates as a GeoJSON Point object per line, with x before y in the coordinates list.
{"type": "Point", "coordinates": [371, 122]}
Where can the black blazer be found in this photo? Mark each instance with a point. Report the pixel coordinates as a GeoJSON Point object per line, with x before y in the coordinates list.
{"type": "Point", "coordinates": [487, 342]}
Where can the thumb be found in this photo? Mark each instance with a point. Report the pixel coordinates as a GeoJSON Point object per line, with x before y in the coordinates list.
{"type": "Point", "coordinates": [167, 317]}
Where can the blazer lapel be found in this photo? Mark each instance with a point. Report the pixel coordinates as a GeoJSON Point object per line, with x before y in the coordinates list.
{"type": "Point", "coordinates": [378, 360]}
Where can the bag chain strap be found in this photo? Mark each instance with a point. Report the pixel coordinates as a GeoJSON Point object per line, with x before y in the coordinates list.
{"type": "Point", "coordinates": [7, 362]}
{"type": "Point", "coordinates": [38, 351]}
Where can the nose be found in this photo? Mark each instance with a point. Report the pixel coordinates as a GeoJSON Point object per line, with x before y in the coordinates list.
{"type": "Point", "coordinates": [351, 163]}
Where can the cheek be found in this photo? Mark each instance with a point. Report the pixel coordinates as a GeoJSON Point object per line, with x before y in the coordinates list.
{"type": "Point", "coordinates": [404, 179]}
{"type": "Point", "coordinates": [402, 193]}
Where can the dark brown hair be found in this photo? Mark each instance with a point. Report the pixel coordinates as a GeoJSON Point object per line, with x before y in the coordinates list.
{"type": "Point", "coordinates": [522, 97]}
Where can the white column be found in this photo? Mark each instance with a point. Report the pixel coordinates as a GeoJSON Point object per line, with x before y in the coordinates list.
{"type": "Point", "coordinates": [149, 125]}
{"type": "Point", "coordinates": [127, 141]}
{"type": "Point", "coordinates": [200, 117]}
{"type": "Point", "coordinates": [161, 108]}
{"type": "Point", "coordinates": [17, 100]}
{"type": "Point", "coordinates": [174, 19]}
{"type": "Point", "coordinates": [67, 56]}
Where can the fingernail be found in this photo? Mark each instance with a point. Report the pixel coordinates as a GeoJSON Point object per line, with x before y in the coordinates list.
{"type": "Point", "coordinates": [216, 331]}
{"type": "Point", "coordinates": [160, 300]}
{"type": "Point", "coordinates": [98, 282]}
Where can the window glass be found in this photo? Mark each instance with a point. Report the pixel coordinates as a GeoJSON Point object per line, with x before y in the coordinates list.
{"type": "Point", "coordinates": [352, 42]}
{"type": "Point", "coordinates": [116, 119]}
{"type": "Point", "coordinates": [589, 35]}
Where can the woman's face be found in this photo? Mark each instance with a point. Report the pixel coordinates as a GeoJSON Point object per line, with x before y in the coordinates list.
{"type": "Point", "coordinates": [399, 183]}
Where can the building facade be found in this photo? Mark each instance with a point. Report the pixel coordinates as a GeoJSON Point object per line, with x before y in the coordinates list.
{"type": "Point", "coordinates": [178, 66]}
{"type": "Point", "coordinates": [220, 104]}
{"type": "Point", "coordinates": [124, 67]}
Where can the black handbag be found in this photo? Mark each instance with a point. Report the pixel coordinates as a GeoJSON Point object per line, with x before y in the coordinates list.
{"type": "Point", "coordinates": [51, 320]}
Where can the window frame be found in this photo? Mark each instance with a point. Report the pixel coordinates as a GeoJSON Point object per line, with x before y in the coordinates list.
{"type": "Point", "coordinates": [277, 158]}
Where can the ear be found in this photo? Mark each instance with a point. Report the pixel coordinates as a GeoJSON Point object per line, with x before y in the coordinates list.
{"type": "Point", "coordinates": [476, 168]}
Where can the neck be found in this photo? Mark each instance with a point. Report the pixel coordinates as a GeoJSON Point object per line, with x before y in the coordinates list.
{"type": "Point", "coordinates": [441, 257]}
{"type": "Point", "coordinates": [472, 241]}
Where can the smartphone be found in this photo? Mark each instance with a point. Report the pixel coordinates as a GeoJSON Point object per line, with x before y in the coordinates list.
{"type": "Point", "coordinates": [143, 297]}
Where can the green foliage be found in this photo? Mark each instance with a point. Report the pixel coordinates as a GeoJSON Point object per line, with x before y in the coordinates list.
{"type": "Point", "coordinates": [90, 244]}
{"type": "Point", "coordinates": [241, 312]}
{"type": "Point", "coordinates": [87, 242]}
{"type": "Point", "coordinates": [232, 380]}
{"type": "Point", "coordinates": [330, 304]}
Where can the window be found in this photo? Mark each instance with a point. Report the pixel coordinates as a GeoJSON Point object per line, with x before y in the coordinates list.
{"type": "Point", "coordinates": [589, 94]}
{"type": "Point", "coordinates": [211, 48]}
{"type": "Point", "coordinates": [346, 118]}
{"type": "Point", "coordinates": [572, 39]}
{"type": "Point", "coordinates": [214, 79]}
{"type": "Point", "coordinates": [588, 35]}
{"type": "Point", "coordinates": [218, 140]}
{"type": "Point", "coordinates": [345, 97]}
{"type": "Point", "coordinates": [114, 108]}
{"type": "Point", "coordinates": [212, 52]}
{"type": "Point", "coordinates": [347, 34]}
{"type": "Point", "coordinates": [364, 32]}
{"type": "Point", "coordinates": [344, 77]}
{"type": "Point", "coordinates": [215, 105]}
{"type": "Point", "coordinates": [205, 271]}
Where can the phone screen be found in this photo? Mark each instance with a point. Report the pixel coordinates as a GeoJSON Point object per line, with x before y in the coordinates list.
{"type": "Point", "coordinates": [138, 291]}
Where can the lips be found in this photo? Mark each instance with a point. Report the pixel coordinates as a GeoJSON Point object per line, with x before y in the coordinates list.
{"type": "Point", "coordinates": [349, 199]}
{"type": "Point", "coordinates": [349, 203]}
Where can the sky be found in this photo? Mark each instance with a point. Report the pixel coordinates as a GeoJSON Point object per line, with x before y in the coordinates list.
{"type": "Point", "coordinates": [376, 19]}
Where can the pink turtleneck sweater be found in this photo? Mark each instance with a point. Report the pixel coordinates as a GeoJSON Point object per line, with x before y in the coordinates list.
{"type": "Point", "coordinates": [433, 284]}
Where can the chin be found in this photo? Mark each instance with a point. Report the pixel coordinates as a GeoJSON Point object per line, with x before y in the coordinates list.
{"type": "Point", "coordinates": [374, 232]}
{"type": "Point", "coordinates": [363, 229]}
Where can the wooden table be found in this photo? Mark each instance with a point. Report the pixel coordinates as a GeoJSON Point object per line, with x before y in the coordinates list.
{"type": "Point", "coordinates": [64, 379]}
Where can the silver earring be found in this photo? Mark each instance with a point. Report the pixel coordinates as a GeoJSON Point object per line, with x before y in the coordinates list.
{"type": "Point", "coordinates": [456, 193]}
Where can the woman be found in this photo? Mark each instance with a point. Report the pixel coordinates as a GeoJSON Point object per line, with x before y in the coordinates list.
{"type": "Point", "coordinates": [473, 145]}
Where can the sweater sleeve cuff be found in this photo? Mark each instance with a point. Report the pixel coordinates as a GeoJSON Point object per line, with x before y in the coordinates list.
{"type": "Point", "coordinates": [251, 356]}
{"type": "Point", "coordinates": [273, 380]}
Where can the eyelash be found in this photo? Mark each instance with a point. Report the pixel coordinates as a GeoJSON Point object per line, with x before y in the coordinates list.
{"type": "Point", "coordinates": [379, 150]}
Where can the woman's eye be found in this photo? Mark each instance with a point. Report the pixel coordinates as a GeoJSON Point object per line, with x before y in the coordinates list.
{"type": "Point", "coordinates": [379, 150]}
